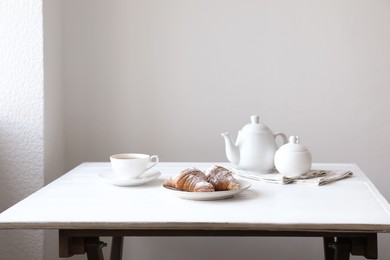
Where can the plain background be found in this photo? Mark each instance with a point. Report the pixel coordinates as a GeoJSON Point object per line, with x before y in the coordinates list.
{"type": "Point", "coordinates": [167, 77]}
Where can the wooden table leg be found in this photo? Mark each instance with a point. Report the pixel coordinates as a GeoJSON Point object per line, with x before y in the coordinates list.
{"type": "Point", "coordinates": [337, 248]}
{"type": "Point", "coordinates": [72, 243]}
{"type": "Point", "coordinates": [342, 249]}
{"type": "Point", "coordinates": [328, 248]}
{"type": "Point", "coordinates": [116, 248]}
{"type": "Point", "coordinates": [93, 246]}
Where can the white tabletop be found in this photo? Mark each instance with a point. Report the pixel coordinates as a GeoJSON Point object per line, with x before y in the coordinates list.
{"type": "Point", "coordinates": [82, 200]}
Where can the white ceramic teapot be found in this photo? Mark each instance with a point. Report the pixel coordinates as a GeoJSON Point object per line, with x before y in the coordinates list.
{"type": "Point", "coordinates": [255, 147]}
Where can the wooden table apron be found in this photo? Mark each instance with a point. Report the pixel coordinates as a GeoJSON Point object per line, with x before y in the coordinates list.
{"type": "Point", "coordinates": [347, 214]}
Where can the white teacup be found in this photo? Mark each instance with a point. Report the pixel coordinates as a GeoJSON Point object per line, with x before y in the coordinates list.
{"type": "Point", "coordinates": [132, 165]}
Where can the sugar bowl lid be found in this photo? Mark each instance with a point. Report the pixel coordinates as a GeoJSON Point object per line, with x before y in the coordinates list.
{"type": "Point", "coordinates": [293, 145]}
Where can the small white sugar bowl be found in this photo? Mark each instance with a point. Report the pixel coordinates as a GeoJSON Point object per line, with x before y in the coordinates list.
{"type": "Point", "coordinates": [293, 158]}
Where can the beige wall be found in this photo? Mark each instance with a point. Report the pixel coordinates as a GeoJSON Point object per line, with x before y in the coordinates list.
{"type": "Point", "coordinates": [167, 77]}
{"type": "Point", "coordinates": [54, 106]}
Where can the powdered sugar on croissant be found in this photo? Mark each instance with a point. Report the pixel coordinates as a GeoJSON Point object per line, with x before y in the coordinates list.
{"type": "Point", "coordinates": [190, 179]}
{"type": "Point", "coordinates": [222, 179]}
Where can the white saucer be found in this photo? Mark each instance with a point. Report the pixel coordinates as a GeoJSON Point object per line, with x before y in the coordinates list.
{"type": "Point", "coordinates": [214, 195]}
{"type": "Point", "coordinates": [144, 178]}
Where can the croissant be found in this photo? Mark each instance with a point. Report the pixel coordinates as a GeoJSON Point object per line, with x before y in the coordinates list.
{"type": "Point", "coordinates": [190, 179]}
{"type": "Point", "coordinates": [222, 179]}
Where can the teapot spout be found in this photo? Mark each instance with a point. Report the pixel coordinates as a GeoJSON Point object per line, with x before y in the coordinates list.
{"type": "Point", "coordinates": [232, 151]}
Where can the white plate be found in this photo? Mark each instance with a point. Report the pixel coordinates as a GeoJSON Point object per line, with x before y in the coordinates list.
{"type": "Point", "coordinates": [144, 178]}
{"type": "Point", "coordinates": [214, 195]}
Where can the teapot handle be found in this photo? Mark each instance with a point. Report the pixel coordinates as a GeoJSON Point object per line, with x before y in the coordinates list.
{"type": "Point", "coordinates": [284, 137]}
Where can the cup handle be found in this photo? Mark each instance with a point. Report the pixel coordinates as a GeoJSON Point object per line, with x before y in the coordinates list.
{"type": "Point", "coordinates": [284, 137]}
{"type": "Point", "coordinates": [153, 160]}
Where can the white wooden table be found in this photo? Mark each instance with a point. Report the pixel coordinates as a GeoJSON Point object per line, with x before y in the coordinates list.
{"type": "Point", "coordinates": [348, 214]}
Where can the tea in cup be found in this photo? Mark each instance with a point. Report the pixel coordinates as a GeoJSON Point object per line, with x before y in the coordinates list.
{"type": "Point", "coordinates": [132, 165]}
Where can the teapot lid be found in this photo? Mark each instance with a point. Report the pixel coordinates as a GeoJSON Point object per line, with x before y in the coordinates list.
{"type": "Point", "coordinates": [255, 126]}
{"type": "Point", "coordinates": [293, 145]}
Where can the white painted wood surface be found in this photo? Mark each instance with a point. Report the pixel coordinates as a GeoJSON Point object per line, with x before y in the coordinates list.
{"type": "Point", "coordinates": [81, 199]}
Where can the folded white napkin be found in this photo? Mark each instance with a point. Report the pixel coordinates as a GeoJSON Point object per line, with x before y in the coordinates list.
{"type": "Point", "coordinates": [318, 177]}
